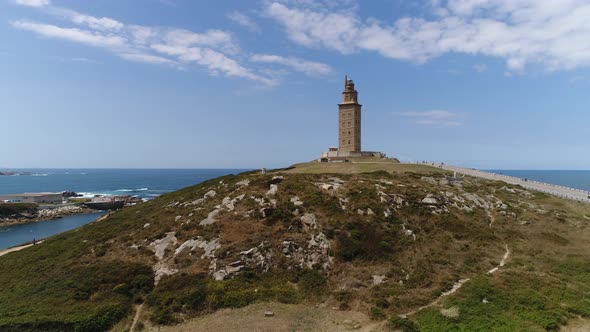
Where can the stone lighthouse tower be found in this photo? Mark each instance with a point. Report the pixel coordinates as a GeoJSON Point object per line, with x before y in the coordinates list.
{"type": "Point", "coordinates": [349, 119]}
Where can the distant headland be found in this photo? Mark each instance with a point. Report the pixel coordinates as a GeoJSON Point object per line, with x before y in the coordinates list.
{"type": "Point", "coordinates": [14, 173]}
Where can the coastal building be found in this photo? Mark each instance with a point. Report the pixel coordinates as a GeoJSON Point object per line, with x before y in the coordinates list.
{"type": "Point", "coordinates": [44, 197]}
{"type": "Point", "coordinates": [349, 119]}
{"type": "Point", "coordinates": [349, 128]}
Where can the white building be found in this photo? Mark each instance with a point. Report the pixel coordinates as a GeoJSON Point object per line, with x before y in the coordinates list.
{"type": "Point", "coordinates": [46, 197]}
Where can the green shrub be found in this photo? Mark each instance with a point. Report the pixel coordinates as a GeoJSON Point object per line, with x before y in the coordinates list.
{"type": "Point", "coordinates": [286, 294]}
{"type": "Point", "coordinates": [238, 298]}
{"type": "Point", "coordinates": [142, 283]}
{"type": "Point", "coordinates": [122, 289]}
{"type": "Point", "coordinates": [382, 303]}
{"type": "Point", "coordinates": [344, 298]}
{"type": "Point", "coordinates": [377, 313]}
{"type": "Point", "coordinates": [404, 324]}
{"type": "Point", "coordinates": [163, 316]}
{"type": "Point", "coordinates": [312, 282]}
{"type": "Point", "coordinates": [273, 215]}
{"type": "Point", "coordinates": [193, 294]}
{"type": "Point", "coordinates": [196, 298]}
{"type": "Point", "coordinates": [10, 209]}
{"type": "Point", "coordinates": [366, 241]}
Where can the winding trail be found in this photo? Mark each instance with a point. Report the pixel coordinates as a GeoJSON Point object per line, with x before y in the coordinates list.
{"type": "Point", "coordinates": [502, 262]}
{"type": "Point", "coordinates": [13, 249]}
{"type": "Point", "coordinates": [455, 288]}
{"type": "Point", "coordinates": [492, 219]}
{"type": "Point", "coordinates": [458, 286]}
{"type": "Point", "coordinates": [136, 318]}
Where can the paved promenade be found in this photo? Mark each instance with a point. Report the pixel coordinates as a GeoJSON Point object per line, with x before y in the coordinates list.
{"type": "Point", "coordinates": [560, 191]}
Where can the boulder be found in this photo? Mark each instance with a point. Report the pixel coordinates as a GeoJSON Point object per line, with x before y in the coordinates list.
{"type": "Point", "coordinates": [296, 201]}
{"type": "Point", "coordinates": [430, 200]}
{"type": "Point", "coordinates": [378, 280]}
{"type": "Point", "coordinates": [273, 190]}
{"type": "Point", "coordinates": [309, 221]}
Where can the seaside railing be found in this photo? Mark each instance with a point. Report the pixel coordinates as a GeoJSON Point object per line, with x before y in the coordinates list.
{"type": "Point", "coordinates": [529, 184]}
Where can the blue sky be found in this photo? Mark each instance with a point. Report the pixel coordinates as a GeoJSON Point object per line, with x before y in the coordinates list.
{"type": "Point", "coordinates": [171, 83]}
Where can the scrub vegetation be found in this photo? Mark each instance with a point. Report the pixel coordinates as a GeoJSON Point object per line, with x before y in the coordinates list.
{"type": "Point", "coordinates": [403, 246]}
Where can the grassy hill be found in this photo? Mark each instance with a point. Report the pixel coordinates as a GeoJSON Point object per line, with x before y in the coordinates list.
{"type": "Point", "coordinates": [382, 239]}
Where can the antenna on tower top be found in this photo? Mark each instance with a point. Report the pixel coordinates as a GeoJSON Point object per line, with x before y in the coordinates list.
{"type": "Point", "coordinates": [345, 80]}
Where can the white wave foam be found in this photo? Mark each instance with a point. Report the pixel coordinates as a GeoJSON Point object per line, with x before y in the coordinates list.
{"type": "Point", "coordinates": [127, 190]}
{"type": "Point", "coordinates": [92, 194]}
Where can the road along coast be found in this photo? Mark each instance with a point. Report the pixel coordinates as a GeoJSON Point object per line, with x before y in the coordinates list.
{"type": "Point", "coordinates": [560, 191]}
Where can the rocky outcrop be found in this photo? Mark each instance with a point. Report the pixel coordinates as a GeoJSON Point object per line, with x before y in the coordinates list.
{"type": "Point", "coordinates": [309, 222]}
{"type": "Point", "coordinates": [209, 247]}
{"type": "Point", "coordinates": [315, 253]}
{"type": "Point", "coordinates": [159, 246]}
{"type": "Point", "coordinates": [25, 213]}
{"type": "Point", "coordinates": [258, 258]}
{"type": "Point", "coordinates": [430, 200]}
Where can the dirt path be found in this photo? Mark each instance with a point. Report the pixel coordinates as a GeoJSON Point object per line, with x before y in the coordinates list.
{"type": "Point", "coordinates": [455, 288]}
{"type": "Point", "coordinates": [13, 249]}
{"type": "Point", "coordinates": [458, 285]}
{"type": "Point", "coordinates": [287, 317]}
{"type": "Point", "coordinates": [576, 325]}
{"type": "Point", "coordinates": [491, 216]}
{"type": "Point", "coordinates": [502, 262]}
{"type": "Point", "coordinates": [136, 318]}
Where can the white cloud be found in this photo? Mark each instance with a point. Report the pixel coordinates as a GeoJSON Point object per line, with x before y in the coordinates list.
{"type": "Point", "coordinates": [212, 38]}
{"type": "Point", "coordinates": [550, 33]}
{"type": "Point", "coordinates": [72, 34]}
{"type": "Point", "coordinates": [310, 68]}
{"type": "Point", "coordinates": [169, 46]}
{"type": "Point", "coordinates": [433, 117]}
{"type": "Point", "coordinates": [103, 23]}
{"type": "Point", "coordinates": [243, 20]}
{"type": "Point", "coordinates": [33, 3]}
{"type": "Point", "coordinates": [313, 28]}
{"type": "Point", "coordinates": [217, 62]}
{"type": "Point", "coordinates": [147, 58]}
{"type": "Point", "coordinates": [84, 60]}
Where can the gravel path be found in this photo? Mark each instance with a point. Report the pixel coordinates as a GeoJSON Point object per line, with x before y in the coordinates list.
{"type": "Point", "coordinates": [560, 191]}
{"type": "Point", "coordinates": [136, 318]}
{"type": "Point", "coordinates": [13, 249]}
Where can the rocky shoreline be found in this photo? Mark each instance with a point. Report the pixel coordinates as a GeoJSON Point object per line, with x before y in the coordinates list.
{"type": "Point", "coordinates": [13, 173]}
{"type": "Point", "coordinates": [21, 213]}
{"type": "Point", "coordinates": [45, 214]}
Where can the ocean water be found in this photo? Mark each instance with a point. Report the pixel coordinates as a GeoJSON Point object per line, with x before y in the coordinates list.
{"type": "Point", "coordinates": [14, 235]}
{"type": "Point", "coordinates": [142, 183]}
{"type": "Point", "coordinates": [572, 179]}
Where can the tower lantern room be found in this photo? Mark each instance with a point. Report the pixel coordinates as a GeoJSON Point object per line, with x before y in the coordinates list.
{"type": "Point", "coordinates": [349, 95]}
